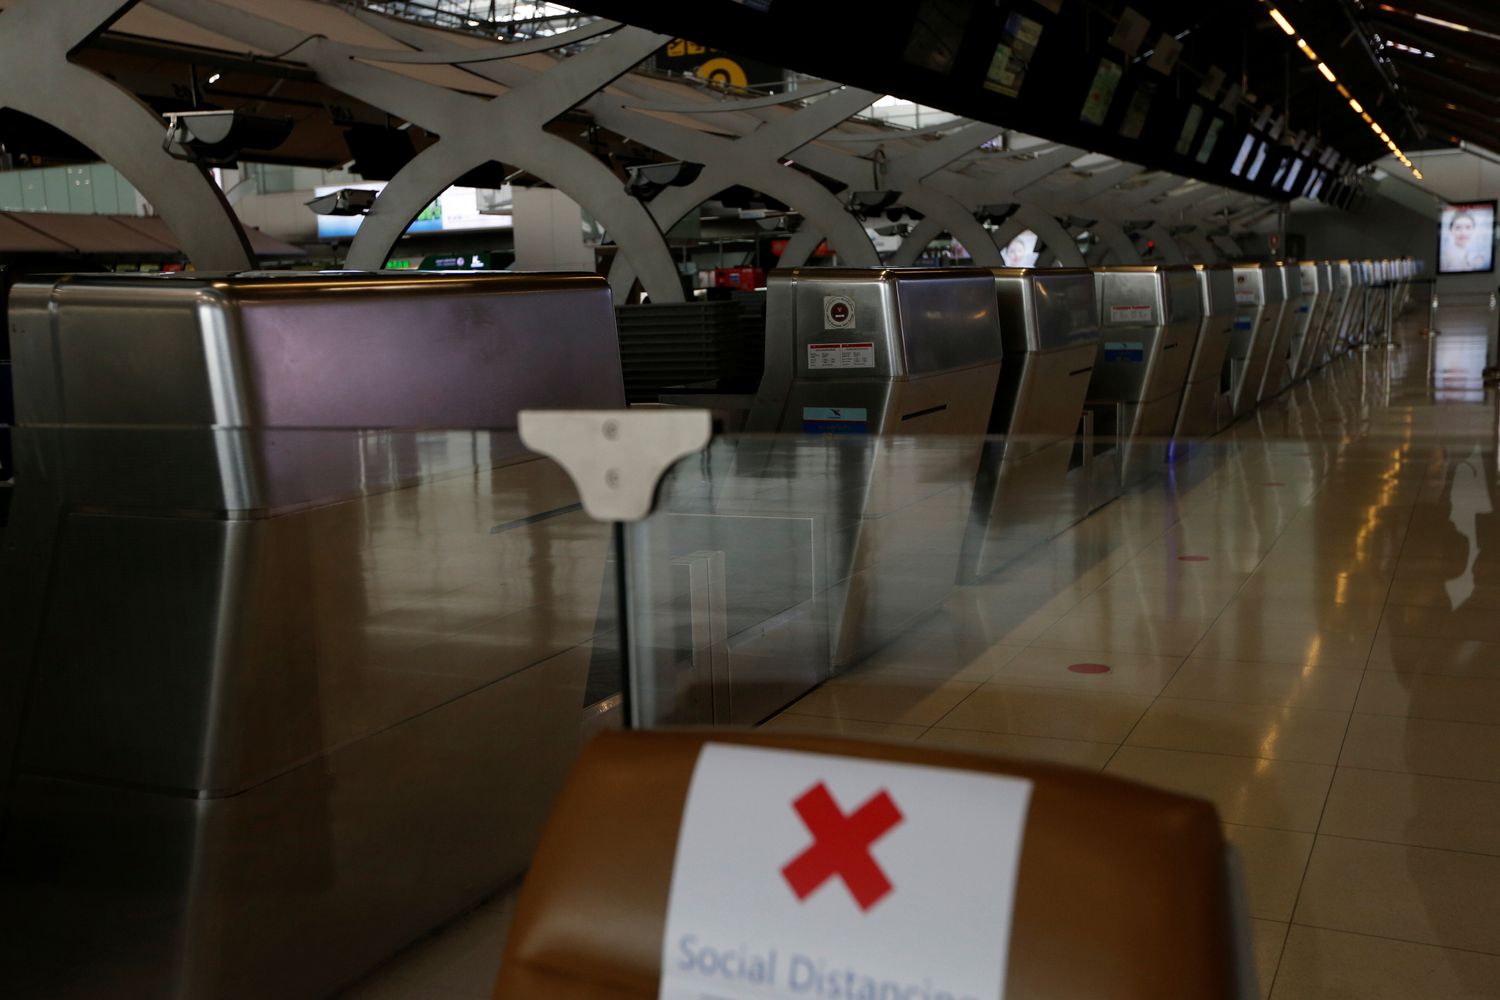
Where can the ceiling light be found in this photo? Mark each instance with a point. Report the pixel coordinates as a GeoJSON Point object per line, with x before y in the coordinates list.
{"type": "Point", "coordinates": [1356, 105]}
{"type": "Point", "coordinates": [1375, 127]}
{"type": "Point", "coordinates": [1418, 174]}
{"type": "Point", "coordinates": [1344, 91]}
{"type": "Point", "coordinates": [1327, 73]}
{"type": "Point", "coordinates": [1307, 49]}
{"type": "Point", "coordinates": [1366, 116]}
{"type": "Point", "coordinates": [1431, 20]}
{"type": "Point", "coordinates": [215, 78]}
{"type": "Point", "coordinates": [1281, 20]}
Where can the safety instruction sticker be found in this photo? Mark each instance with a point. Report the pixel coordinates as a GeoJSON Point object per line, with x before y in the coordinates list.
{"type": "Point", "coordinates": [1243, 290]}
{"type": "Point", "coordinates": [1124, 350]}
{"type": "Point", "coordinates": [838, 312]}
{"type": "Point", "coordinates": [835, 420]}
{"type": "Point", "coordinates": [817, 876]}
{"type": "Point", "coordinates": [826, 357]}
{"type": "Point", "coordinates": [1143, 313]}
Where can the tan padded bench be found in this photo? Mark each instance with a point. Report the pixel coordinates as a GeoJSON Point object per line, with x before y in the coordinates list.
{"type": "Point", "coordinates": [1123, 891]}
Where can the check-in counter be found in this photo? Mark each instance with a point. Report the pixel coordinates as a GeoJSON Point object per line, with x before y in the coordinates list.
{"type": "Point", "coordinates": [876, 351]}
{"type": "Point", "coordinates": [1259, 297]}
{"type": "Point", "coordinates": [307, 668]}
{"type": "Point", "coordinates": [837, 520]}
{"type": "Point", "coordinates": [1149, 317]}
{"type": "Point", "coordinates": [1023, 495]}
{"type": "Point", "coordinates": [1338, 318]}
{"type": "Point", "coordinates": [1203, 409]}
{"type": "Point", "coordinates": [1277, 363]}
{"type": "Point", "coordinates": [1311, 304]}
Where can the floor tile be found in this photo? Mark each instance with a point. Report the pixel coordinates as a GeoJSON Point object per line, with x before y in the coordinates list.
{"type": "Point", "coordinates": [1423, 746]}
{"type": "Point", "coordinates": [1480, 624]}
{"type": "Point", "coordinates": [1285, 795]}
{"type": "Point", "coordinates": [1128, 673]}
{"type": "Point", "coordinates": [1164, 637]}
{"type": "Point", "coordinates": [1417, 809]}
{"type": "Point", "coordinates": [1055, 712]}
{"type": "Point", "coordinates": [1431, 696]}
{"type": "Point", "coordinates": [1267, 938]}
{"type": "Point", "coordinates": [907, 699]}
{"type": "Point", "coordinates": [1322, 964]}
{"type": "Point", "coordinates": [1278, 732]}
{"type": "Point", "coordinates": [1426, 655]}
{"type": "Point", "coordinates": [1286, 642]}
{"type": "Point", "coordinates": [1274, 861]}
{"type": "Point", "coordinates": [1323, 687]}
{"type": "Point", "coordinates": [890, 731]}
{"type": "Point", "coordinates": [1416, 894]}
{"type": "Point", "coordinates": [1327, 615]}
{"type": "Point", "coordinates": [1073, 753]}
{"type": "Point", "coordinates": [948, 661]}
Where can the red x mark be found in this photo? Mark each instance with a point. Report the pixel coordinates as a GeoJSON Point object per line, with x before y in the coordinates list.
{"type": "Point", "coordinates": [841, 845]}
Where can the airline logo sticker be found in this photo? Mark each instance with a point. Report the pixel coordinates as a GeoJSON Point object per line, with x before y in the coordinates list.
{"type": "Point", "coordinates": [826, 357]}
{"type": "Point", "coordinates": [835, 420]}
{"type": "Point", "coordinates": [805, 875]}
{"type": "Point", "coordinates": [838, 312]}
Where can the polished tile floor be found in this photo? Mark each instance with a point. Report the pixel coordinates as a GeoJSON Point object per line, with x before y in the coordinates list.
{"type": "Point", "coordinates": [1308, 636]}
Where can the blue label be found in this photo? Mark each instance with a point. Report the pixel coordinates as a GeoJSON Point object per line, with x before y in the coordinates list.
{"type": "Point", "coordinates": [1124, 351]}
{"type": "Point", "coordinates": [1242, 324]}
{"type": "Point", "coordinates": [835, 420]}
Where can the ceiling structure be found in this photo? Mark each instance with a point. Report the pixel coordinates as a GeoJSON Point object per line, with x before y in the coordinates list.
{"type": "Point", "coordinates": [1445, 58]}
{"type": "Point", "coordinates": [421, 105]}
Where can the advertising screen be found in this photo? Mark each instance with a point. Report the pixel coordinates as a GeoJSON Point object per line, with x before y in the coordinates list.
{"type": "Point", "coordinates": [1022, 251]}
{"type": "Point", "coordinates": [455, 208]}
{"type": "Point", "coordinates": [1466, 238]}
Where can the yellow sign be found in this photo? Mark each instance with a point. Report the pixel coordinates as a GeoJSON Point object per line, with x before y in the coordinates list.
{"type": "Point", "coordinates": [724, 71]}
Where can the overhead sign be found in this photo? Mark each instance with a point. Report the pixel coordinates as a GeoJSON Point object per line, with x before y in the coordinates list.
{"type": "Point", "coordinates": [682, 56]}
{"type": "Point", "coordinates": [817, 876]}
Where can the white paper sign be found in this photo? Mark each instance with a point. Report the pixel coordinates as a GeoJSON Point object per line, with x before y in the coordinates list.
{"type": "Point", "coordinates": [814, 876]}
{"type": "Point", "coordinates": [823, 357]}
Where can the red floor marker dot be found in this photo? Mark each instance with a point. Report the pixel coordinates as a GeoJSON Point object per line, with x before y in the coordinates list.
{"type": "Point", "coordinates": [1089, 668]}
{"type": "Point", "coordinates": [1192, 558]}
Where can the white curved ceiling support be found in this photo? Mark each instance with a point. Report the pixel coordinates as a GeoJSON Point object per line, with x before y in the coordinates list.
{"type": "Point", "coordinates": [799, 249]}
{"type": "Point", "coordinates": [1167, 246]}
{"type": "Point", "coordinates": [1116, 241]}
{"type": "Point", "coordinates": [473, 130]}
{"type": "Point", "coordinates": [811, 89]}
{"type": "Point", "coordinates": [462, 55]}
{"type": "Point", "coordinates": [905, 170]}
{"type": "Point", "coordinates": [754, 160]}
{"type": "Point", "coordinates": [1051, 232]}
{"type": "Point", "coordinates": [916, 241]}
{"type": "Point", "coordinates": [37, 79]}
{"type": "Point", "coordinates": [1203, 250]}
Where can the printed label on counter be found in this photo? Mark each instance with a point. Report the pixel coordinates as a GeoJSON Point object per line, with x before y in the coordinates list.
{"type": "Point", "coordinates": [826, 357]}
{"type": "Point", "coordinates": [1132, 314]}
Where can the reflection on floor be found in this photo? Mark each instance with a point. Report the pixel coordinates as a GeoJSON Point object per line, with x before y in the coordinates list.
{"type": "Point", "coordinates": [1309, 636]}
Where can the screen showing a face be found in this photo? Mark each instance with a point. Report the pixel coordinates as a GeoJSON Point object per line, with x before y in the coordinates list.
{"type": "Point", "coordinates": [1466, 238]}
{"type": "Point", "coordinates": [1022, 251]}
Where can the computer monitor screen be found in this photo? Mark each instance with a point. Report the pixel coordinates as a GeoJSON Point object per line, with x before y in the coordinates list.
{"type": "Point", "coordinates": [1466, 238]}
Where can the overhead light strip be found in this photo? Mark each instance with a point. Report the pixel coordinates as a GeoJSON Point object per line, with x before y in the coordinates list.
{"type": "Point", "coordinates": [1328, 74]}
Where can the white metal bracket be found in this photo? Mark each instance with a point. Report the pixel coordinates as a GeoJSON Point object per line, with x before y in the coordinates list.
{"type": "Point", "coordinates": [616, 458]}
